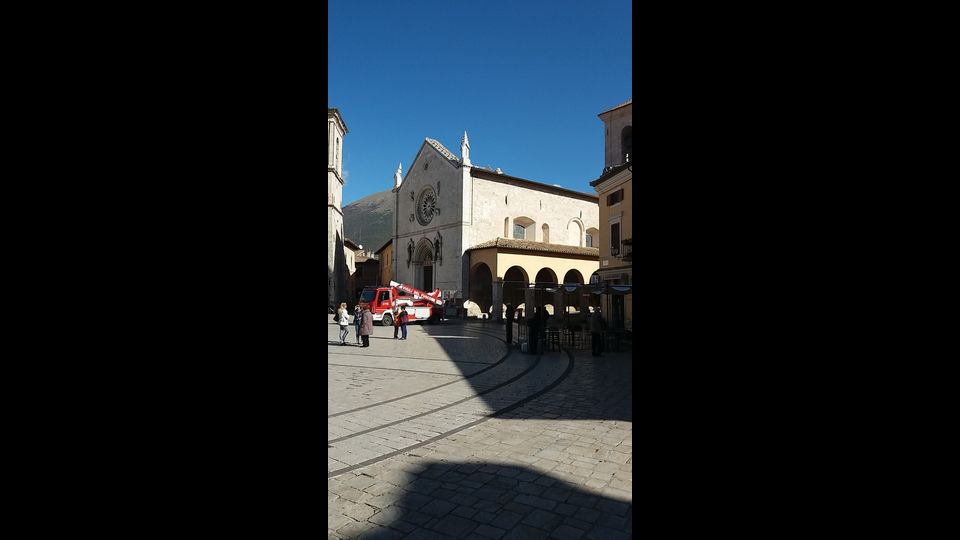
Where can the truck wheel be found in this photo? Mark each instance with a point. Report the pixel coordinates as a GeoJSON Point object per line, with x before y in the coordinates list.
{"type": "Point", "coordinates": [387, 320]}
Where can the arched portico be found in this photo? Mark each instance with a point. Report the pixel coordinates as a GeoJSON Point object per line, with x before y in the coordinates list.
{"type": "Point", "coordinates": [514, 264]}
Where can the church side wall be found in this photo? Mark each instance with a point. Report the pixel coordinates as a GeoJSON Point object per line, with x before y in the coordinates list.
{"type": "Point", "coordinates": [495, 201]}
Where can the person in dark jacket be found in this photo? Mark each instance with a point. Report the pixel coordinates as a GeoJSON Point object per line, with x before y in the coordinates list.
{"type": "Point", "coordinates": [366, 327]}
{"type": "Point", "coordinates": [404, 317]}
{"type": "Point", "coordinates": [596, 332]}
{"type": "Point", "coordinates": [357, 319]}
{"type": "Point", "coordinates": [396, 321]}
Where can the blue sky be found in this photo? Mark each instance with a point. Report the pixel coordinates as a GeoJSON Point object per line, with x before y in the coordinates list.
{"type": "Point", "coordinates": [525, 79]}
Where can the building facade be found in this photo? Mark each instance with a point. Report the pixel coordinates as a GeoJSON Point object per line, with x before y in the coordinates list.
{"type": "Point", "coordinates": [385, 254]}
{"type": "Point", "coordinates": [337, 269]}
{"type": "Point", "coordinates": [615, 190]}
{"type": "Point", "coordinates": [445, 205]}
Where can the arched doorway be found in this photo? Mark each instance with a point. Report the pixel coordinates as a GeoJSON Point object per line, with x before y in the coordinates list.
{"type": "Point", "coordinates": [481, 287]}
{"type": "Point", "coordinates": [423, 271]}
{"type": "Point", "coordinates": [573, 299]}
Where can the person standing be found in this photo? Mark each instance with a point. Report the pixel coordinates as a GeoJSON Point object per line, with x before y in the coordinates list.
{"type": "Point", "coordinates": [366, 327]}
{"type": "Point", "coordinates": [357, 319]}
{"type": "Point", "coordinates": [596, 333]}
{"type": "Point", "coordinates": [403, 321]}
{"type": "Point", "coordinates": [343, 322]}
{"type": "Point", "coordinates": [396, 321]}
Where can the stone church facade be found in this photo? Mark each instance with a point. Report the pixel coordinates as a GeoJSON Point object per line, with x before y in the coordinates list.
{"type": "Point", "coordinates": [447, 211]}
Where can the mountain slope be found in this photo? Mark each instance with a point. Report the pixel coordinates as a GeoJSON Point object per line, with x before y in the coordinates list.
{"type": "Point", "coordinates": [369, 221]}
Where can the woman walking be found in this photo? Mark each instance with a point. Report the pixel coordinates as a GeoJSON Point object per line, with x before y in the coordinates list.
{"type": "Point", "coordinates": [343, 322]}
{"type": "Point", "coordinates": [366, 327]}
{"type": "Point", "coordinates": [357, 319]}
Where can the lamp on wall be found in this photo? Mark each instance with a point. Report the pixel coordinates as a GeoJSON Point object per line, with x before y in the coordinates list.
{"type": "Point", "coordinates": [410, 248]}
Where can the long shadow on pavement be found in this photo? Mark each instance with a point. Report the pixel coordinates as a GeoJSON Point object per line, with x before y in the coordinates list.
{"type": "Point", "coordinates": [484, 500]}
{"type": "Point", "coordinates": [603, 389]}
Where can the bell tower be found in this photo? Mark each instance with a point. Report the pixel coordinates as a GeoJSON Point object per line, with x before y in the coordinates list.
{"type": "Point", "coordinates": [336, 261]}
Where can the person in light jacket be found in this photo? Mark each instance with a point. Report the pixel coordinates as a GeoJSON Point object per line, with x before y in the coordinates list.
{"type": "Point", "coordinates": [343, 322]}
{"type": "Point", "coordinates": [366, 327]}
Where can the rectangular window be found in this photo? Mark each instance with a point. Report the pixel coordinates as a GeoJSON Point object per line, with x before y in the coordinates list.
{"type": "Point", "coordinates": [615, 197]}
{"type": "Point", "coordinates": [518, 232]}
{"type": "Point", "coordinates": [615, 239]}
{"type": "Point", "coordinates": [589, 241]}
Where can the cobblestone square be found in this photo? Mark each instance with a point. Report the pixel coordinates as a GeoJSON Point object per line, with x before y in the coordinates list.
{"type": "Point", "coordinates": [453, 434]}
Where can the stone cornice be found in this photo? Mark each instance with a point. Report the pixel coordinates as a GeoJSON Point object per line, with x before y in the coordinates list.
{"type": "Point", "coordinates": [612, 173]}
{"type": "Point", "coordinates": [334, 113]}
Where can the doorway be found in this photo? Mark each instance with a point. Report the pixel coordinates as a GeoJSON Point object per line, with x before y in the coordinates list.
{"type": "Point", "coordinates": [427, 278]}
{"type": "Point", "coordinates": [618, 314]}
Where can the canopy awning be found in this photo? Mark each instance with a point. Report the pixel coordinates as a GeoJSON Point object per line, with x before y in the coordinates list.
{"type": "Point", "coordinates": [597, 288]}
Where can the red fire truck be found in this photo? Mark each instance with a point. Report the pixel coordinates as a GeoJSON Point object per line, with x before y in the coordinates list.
{"type": "Point", "coordinates": [421, 306]}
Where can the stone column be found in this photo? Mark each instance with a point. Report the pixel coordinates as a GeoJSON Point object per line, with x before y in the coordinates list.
{"type": "Point", "coordinates": [497, 289]}
{"type": "Point", "coordinates": [558, 306]}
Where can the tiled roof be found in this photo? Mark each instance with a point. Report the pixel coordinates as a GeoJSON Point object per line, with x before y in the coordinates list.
{"type": "Point", "coordinates": [443, 150]}
{"type": "Point", "coordinates": [527, 245]}
{"type": "Point", "coordinates": [625, 103]}
{"type": "Point", "coordinates": [502, 177]}
{"type": "Point", "coordinates": [612, 171]}
{"type": "Point", "coordinates": [384, 246]}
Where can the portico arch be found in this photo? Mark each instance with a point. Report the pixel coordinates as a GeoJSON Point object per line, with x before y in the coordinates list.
{"type": "Point", "coordinates": [545, 276]}
{"type": "Point", "coordinates": [515, 280]}
{"type": "Point", "coordinates": [572, 299]}
{"type": "Point", "coordinates": [481, 287]}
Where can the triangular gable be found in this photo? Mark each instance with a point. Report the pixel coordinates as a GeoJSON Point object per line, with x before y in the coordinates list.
{"type": "Point", "coordinates": [426, 144]}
